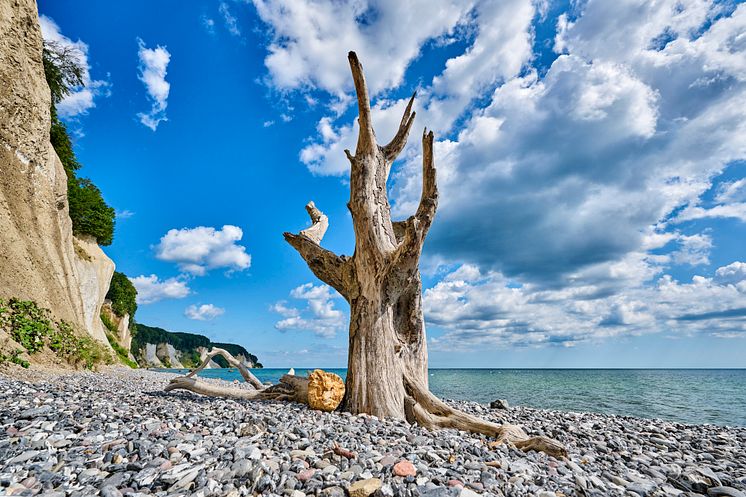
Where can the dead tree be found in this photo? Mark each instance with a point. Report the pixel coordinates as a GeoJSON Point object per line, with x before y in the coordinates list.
{"type": "Point", "coordinates": [387, 364]}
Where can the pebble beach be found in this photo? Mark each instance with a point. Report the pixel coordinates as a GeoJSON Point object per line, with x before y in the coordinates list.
{"type": "Point", "coordinates": [116, 433]}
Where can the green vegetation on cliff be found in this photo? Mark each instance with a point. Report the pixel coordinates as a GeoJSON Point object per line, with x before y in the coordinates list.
{"type": "Point", "coordinates": [187, 344]}
{"type": "Point", "coordinates": [89, 212]}
{"type": "Point", "coordinates": [32, 327]}
{"type": "Point", "coordinates": [123, 295]}
{"type": "Point", "coordinates": [111, 333]}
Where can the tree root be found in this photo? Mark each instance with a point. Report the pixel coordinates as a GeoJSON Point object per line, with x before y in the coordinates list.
{"type": "Point", "coordinates": [424, 408]}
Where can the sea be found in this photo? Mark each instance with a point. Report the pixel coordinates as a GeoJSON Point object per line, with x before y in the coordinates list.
{"type": "Point", "coordinates": [691, 396]}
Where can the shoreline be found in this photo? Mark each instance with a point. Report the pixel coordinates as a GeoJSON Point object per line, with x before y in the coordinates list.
{"type": "Point", "coordinates": [117, 433]}
{"type": "Point", "coordinates": [693, 397]}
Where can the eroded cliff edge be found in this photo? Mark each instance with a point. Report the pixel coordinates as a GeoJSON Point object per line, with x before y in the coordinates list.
{"type": "Point", "coordinates": [40, 259]}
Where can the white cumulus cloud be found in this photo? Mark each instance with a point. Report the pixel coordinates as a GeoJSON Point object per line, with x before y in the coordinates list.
{"type": "Point", "coordinates": [319, 315]}
{"type": "Point", "coordinates": [203, 312]}
{"type": "Point", "coordinates": [81, 99]}
{"type": "Point", "coordinates": [152, 289]}
{"type": "Point", "coordinates": [387, 36]}
{"type": "Point", "coordinates": [152, 72]}
{"type": "Point", "coordinates": [197, 250]}
{"type": "Point", "coordinates": [490, 311]}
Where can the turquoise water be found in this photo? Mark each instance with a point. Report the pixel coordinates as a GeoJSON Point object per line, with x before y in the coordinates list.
{"type": "Point", "coordinates": [716, 396]}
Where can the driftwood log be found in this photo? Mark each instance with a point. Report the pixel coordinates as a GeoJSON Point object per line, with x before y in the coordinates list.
{"type": "Point", "coordinates": [320, 390]}
{"type": "Point", "coordinates": [387, 359]}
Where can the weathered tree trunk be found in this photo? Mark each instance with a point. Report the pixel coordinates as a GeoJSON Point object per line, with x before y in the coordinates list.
{"type": "Point", "coordinates": [387, 365]}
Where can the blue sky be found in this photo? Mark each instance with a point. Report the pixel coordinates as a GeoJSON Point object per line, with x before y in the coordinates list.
{"type": "Point", "coordinates": [591, 160]}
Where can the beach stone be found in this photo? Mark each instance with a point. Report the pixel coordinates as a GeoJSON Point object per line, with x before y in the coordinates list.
{"type": "Point", "coordinates": [438, 491]}
{"type": "Point", "coordinates": [25, 456]}
{"type": "Point", "coordinates": [325, 390]}
{"type": "Point", "coordinates": [35, 412]}
{"type": "Point", "coordinates": [100, 418]}
{"type": "Point", "coordinates": [333, 492]}
{"type": "Point", "coordinates": [404, 468]}
{"type": "Point", "coordinates": [465, 492]}
{"type": "Point", "coordinates": [110, 491]}
{"type": "Point", "coordinates": [499, 404]}
{"type": "Point", "coordinates": [385, 491]}
{"type": "Point", "coordinates": [364, 488]}
{"type": "Point", "coordinates": [306, 474]}
{"type": "Point", "coordinates": [723, 491]}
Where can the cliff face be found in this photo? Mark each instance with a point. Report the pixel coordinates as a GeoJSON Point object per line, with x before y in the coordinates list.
{"type": "Point", "coordinates": [123, 334]}
{"type": "Point", "coordinates": [39, 259]}
{"type": "Point", "coordinates": [156, 347]}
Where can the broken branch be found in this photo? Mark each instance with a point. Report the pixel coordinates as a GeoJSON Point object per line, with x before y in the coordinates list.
{"type": "Point", "coordinates": [396, 145]}
{"type": "Point", "coordinates": [248, 376]}
{"type": "Point", "coordinates": [366, 142]}
{"type": "Point", "coordinates": [320, 223]}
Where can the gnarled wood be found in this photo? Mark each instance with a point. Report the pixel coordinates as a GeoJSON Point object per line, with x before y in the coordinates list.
{"type": "Point", "coordinates": [247, 375]}
{"type": "Point", "coordinates": [387, 360]}
{"type": "Point", "coordinates": [320, 223]}
{"type": "Point", "coordinates": [332, 269]}
{"type": "Point", "coordinates": [396, 145]}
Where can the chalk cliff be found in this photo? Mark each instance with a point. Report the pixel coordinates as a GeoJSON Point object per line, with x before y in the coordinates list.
{"type": "Point", "coordinates": [155, 347]}
{"type": "Point", "coordinates": [40, 259]}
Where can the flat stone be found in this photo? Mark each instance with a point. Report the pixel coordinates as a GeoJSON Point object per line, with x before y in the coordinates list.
{"type": "Point", "coordinates": [364, 488]}
{"type": "Point", "coordinates": [35, 412]}
{"type": "Point", "coordinates": [465, 492]}
{"type": "Point", "coordinates": [723, 491]}
{"type": "Point", "coordinates": [25, 456]}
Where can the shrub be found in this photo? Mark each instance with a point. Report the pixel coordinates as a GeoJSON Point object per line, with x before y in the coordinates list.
{"type": "Point", "coordinates": [15, 358]}
{"type": "Point", "coordinates": [122, 353]}
{"type": "Point", "coordinates": [29, 324]}
{"type": "Point", "coordinates": [62, 145]}
{"type": "Point", "coordinates": [123, 295]}
{"type": "Point", "coordinates": [89, 212]}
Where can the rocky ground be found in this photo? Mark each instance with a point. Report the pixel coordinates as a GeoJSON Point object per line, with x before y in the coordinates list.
{"type": "Point", "coordinates": [116, 433]}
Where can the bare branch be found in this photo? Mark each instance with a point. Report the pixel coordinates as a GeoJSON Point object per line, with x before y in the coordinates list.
{"type": "Point", "coordinates": [320, 223]}
{"type": "Point", "coordinates": [411, 232]}
{"type": "Point", "coordinates": [350, 157]}
{"type": "Point", "coordinates": [395, 146]}
{"type": "Point", "coordinates": [248, 376]}
{"type": "Point", "coordinates": [212, 390]}
{"type": "Point", "coordinates": [366, 140]}
{"type": "Point", "coordinates": [330, 268]}
{"type": "Point", "coordinates": [429, 198]}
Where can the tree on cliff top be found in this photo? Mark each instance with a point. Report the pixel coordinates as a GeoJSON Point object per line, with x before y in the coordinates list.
{"type": "Point", "coordinates": [387, 364]}
{"type": "Point", "coordinates": [89, 212]}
